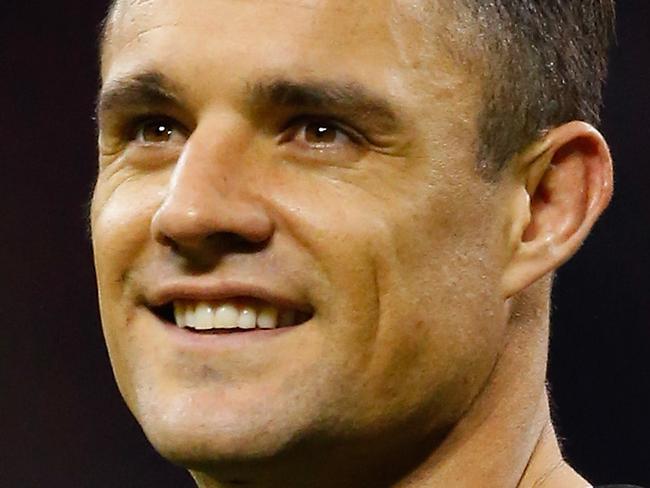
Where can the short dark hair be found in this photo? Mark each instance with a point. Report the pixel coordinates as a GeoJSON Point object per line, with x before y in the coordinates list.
{"type": "Point", "coordinates": [542, 63]}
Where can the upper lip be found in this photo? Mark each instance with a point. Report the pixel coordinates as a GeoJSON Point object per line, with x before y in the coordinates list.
{"type": "Point", "coordinates": [223, 290]}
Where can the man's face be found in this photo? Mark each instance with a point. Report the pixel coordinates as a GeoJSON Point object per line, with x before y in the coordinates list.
{"type": "Point", "coordinates": [314, 158]}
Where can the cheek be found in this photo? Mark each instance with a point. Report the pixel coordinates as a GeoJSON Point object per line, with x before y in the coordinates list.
{"type": "Point", "coordinates": [122, 209]}
{"type": "Point", "coordinates": [121, 213]}
{"type": "Point", "coordinates": [442, 321]}
{"type": "Point", "coordinates": [407, 294]}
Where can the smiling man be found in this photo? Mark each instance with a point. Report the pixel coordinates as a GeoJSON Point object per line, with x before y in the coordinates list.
{"type": "Point", "coordinates": [325, 232]}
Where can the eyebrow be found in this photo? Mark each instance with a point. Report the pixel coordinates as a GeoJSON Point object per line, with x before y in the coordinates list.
{"type": "Point", "coordinates": [350, 99]}
{"type": "Point", "coordinates": [347, 98]}
{"type": "Point", "coordinates": [142, 89]}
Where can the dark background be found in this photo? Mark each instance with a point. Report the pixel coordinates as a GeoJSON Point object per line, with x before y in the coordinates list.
{"type": "Point", "coordinates": [62, 421]}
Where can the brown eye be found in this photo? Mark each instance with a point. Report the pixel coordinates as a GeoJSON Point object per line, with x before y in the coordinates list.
{"type": "Point", "coordinates": [322, 139]}
{"type": "Point", "coordinates": [320, 133]}
{"type": "Point", "coordinates": [156, 131]}
{"type": "Point", "coordinates": [323, 134]}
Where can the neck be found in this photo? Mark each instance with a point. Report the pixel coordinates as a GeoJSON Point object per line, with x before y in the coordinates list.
{"type": "Point", "coordinates": [506, 438]}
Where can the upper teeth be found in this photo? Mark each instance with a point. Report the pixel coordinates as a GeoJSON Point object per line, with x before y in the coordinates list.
{"type": "Point", "coordinates": [230, 315]}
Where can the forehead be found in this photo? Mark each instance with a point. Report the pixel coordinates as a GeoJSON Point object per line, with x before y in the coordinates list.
{"type": "Point", "coordinates": [349, 18]}
{"type": "Point", "coordinates": [310, 33]}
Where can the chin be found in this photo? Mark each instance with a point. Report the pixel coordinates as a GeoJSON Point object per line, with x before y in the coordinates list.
{"type": "Point", "coordinates": [221, 439]}
{"type": "Point", "coordinates": [194, 448]}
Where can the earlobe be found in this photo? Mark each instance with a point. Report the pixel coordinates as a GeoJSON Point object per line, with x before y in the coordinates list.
{"type": "Point", "coordinates": [565, 183]}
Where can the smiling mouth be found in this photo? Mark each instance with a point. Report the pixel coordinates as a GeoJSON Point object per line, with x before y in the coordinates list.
{"type": "Point", "coordinates": [228, 316]}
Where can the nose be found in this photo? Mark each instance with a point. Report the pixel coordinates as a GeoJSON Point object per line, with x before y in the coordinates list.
{"type": "Point", "coordinates": [209, 204]}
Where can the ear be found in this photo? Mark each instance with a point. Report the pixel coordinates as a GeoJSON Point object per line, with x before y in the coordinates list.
{"type": "Point", "coordinates": [562, 185]}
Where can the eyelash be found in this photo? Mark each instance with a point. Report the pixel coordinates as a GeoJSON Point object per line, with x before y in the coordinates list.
{"type": "Point", "coordinates": [294, 126]}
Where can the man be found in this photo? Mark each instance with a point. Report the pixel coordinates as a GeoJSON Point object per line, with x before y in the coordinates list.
{"type": "Point", "coordinates": [325, 232]}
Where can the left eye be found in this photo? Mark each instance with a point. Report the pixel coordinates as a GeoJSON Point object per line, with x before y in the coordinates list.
{"type": "Point", "coordinates": [157, 131]}
{"type": "Point", "coordinates": [321, 134]}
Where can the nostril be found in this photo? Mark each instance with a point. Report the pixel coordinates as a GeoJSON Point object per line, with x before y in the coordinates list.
{"type": "Point", "coordinates": [233, 242]}
{"type": "Point", "coordinates": [192, 218]}
{"type": "Point", "coordinates": [233, 239]}
{"type": "Point", "coordinates": [199, 237]}
{"type": "Point", "coordinates": [166, 241]}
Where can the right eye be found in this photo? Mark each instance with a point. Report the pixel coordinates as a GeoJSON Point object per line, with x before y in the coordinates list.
{"type": "Point", "coordinates": [158, 130]}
